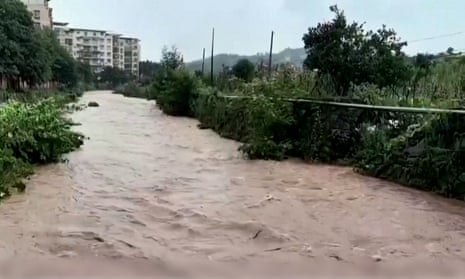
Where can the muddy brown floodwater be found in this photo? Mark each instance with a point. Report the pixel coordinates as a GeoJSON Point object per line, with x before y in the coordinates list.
{"type": "Point", "coordinates": [152, 194]}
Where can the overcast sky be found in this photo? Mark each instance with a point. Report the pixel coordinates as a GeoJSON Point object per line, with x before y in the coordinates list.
{"type": "Point", "coordinates": [244, 26]}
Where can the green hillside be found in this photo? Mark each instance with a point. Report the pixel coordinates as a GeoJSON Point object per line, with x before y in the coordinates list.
{"type": "Point", "coordinates": [289, 55]}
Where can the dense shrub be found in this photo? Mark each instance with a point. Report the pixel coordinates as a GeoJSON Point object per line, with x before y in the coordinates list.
{"type": "Point", "coordinates": [132, 89]}
{"type": "Point", "coordinates": [227, 117]}
{"type": "Point", "coordinates": [174, 90]}
{"type": "Point", "coordinates": [269, 123]}
{"type": "Point", "coordinates": [32, 133]}
{"type": "Point", "coordinates": [429, 157]}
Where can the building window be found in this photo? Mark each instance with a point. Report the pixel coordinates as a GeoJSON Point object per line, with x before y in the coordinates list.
{"type": "Point", "coordinates": [95, 34]}
{"type": "Point", "coordinates": [36, 14]}
{"type": "Point", "coordinates": [85, 33]}
{"type": "Point", "coordinates": [37, 25]}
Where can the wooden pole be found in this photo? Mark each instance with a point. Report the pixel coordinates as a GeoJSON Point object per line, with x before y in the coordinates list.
{"type": "Point", "coordinates": [203, 63]}
{"type": "Point", "coordinates": [270, 62]}
{"type": "Point", "coordinates": [213, 52]}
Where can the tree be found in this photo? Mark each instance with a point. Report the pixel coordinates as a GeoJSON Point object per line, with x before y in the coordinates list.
{"type": "Point", "coordinates": [244, 69]}
{"type": "Point", "coordinates": [63, 66]}
{"type": "Point", "coordinates": [171, 59]}
{"type": "Point", "coordinates": [16, 35]}
{"type": "Point", "coordinates": [148, 70]}
{"type": "Point", "coordinates": [113, 76]}
{"type": "Point", "coordinates": [349, 55]}
{"type": "Point", "coordinates": [170, 62]}
{"type": "Point", "coordinates": [450, 50]}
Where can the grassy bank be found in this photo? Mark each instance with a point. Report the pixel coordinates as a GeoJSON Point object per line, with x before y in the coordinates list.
{"type": "Point", "coordinates": [32, 133]}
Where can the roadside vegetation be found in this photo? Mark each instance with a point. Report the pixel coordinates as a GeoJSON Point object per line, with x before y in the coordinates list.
{"type": "Point", "coordinates": [292, 113]}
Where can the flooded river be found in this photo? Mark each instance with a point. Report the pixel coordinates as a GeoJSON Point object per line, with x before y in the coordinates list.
{"type": "Point", "coordinates": [152, 194]}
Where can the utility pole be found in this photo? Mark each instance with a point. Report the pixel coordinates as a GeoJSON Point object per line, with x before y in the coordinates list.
{"type": "Point", "coordinates": [213, 52]}
{"type": "Point", "coordinates": [203, 63]}
{"type": "Point", "coordinates": [270, 62]}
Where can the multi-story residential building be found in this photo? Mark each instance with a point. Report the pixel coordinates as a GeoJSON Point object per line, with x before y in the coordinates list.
{"type": "Point", "coordinates": [41, 12]}
{"type": "Point", "coordinates": [118, 52]}
{"type": "Point", "coordinates": [100, 48]}
{"type": "Point", "coordinates": [131, 48]}
{"type": "Point", "coordinates": [94, 47]}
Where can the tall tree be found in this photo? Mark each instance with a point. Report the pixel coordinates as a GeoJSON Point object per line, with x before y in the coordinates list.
{"type": "Point", "coordinates": [22, 52]}
{"type": "Point", "coordinates": [148, 70]}
{"type": "Point", "coordinates": [244, 69]}
{"type": "Point", "coordinates": [349, 54]}
{"type": "Point", "coordinates": [113, 76]}
{"type": "Point", "coordinates": [171, 59]}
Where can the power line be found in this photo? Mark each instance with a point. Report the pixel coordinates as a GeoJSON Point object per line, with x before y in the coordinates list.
{"type": "Point", "coordinates": [437, 37]}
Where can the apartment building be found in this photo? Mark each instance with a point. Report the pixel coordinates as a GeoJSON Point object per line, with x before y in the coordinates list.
{"type": "Point", "coordinates": [41, 12]}
{"type": "Point", "coordinates": [94, 47]}
{"type": "Point", "coordinates": [131, 57]}
{"type": "Point", "coordinates": [100, 48]}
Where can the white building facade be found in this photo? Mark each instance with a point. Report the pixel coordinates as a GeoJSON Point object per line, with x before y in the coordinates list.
{"type": "Point", "coordinates": [41, 12]}
{"type": "Point", "coordinates": [99, 48]}
{"type": "Point", "coordinates": [131, 57]}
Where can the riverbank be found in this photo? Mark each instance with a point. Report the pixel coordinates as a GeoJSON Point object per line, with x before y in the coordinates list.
{"type": "Point", "coordinates": [31, 133]}
{"type": "Point", "coordinates": [155, 191]}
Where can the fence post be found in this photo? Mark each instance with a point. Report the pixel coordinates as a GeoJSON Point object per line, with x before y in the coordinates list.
{"type": "Point", "coordinates": [270, 61]}
{"type": "Point", "coordinates": [213, 52]}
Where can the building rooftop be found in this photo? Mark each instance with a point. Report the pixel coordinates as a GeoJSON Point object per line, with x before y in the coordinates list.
{"type": "Point", "coordinates": [60, 23]}
{"type": "Point", "coordinates": [129, 38]}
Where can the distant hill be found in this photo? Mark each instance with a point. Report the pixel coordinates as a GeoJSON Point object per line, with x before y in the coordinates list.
{"type": "Point", "coordinates": [289, 55]}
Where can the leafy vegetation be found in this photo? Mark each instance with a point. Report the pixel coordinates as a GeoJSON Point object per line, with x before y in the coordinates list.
{"type": "Point", "coordinates": [350, 55]}
{"type": "Point", "coordinates": [292, 114]}
{"type": "Point", "coordinates": [244, 69]}
{"type": "Point", "coordinates": [32, 133]}
{"type": "Point", "coordinates": [31, 58]}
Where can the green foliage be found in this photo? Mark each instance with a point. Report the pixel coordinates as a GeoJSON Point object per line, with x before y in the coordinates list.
{"type": "Point", "coordinates": [244, 69]}
{"type": "Point", "coordinates": [30, 55]}
{"type": "Point", "coordinates": [147, 71]}
{"type": "Point", "coordinates": [175, 91]}
{"type": "Point", "coordinates": [269, 123]}
{"type": "Point", "coordinates": [113, 77]}
{"type": "Point", "coordinates": [173, 86]}
{"type": "Point", "coordinates": [429, 157]}
{"type": "Point", "coordinates": [352, 56]}
{"type": "Point", "coordinates": [171, 59]}
{"type": "Point", "coordinates": [225, 116]}
{"type": "Point", "coordinates": [132, 89]}
{"type": "Point", "coordinates": [32, 133]}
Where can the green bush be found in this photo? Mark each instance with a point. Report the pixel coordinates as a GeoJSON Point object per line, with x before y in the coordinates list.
{"type": "Point", "coordinates": [174, 90]}
{"type": "Point", "coordinates": [269, 123]}
{"type": "Point", "coordinates": [32, 133]}
{"type": "Point", "coordinates": [132, 89]}
{"type": "Point", "coordinates": [429, 157]}
{"type": "Point", "coordinates": [227, 117]}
